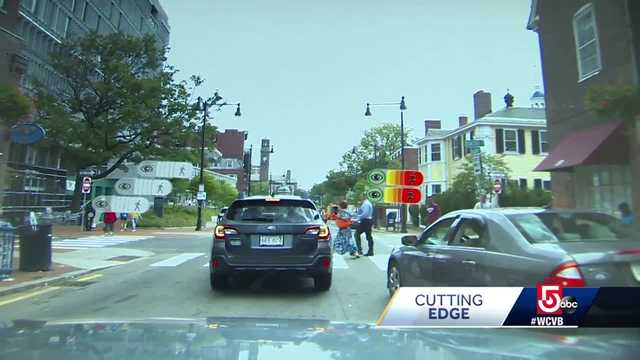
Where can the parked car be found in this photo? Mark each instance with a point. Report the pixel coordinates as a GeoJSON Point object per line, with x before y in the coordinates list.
{"type": "Point", "coordinates": [518, 247]}
{"type": "Point", "coordinates": [221, 214]}
{"type": "Point", "coordinates": [261, 233]}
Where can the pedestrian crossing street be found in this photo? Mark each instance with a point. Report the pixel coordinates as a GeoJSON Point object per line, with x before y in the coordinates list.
{"type": "Point", "coordinates": [339, 262]}
{"type": "Point", "coordinates": [89, 242]}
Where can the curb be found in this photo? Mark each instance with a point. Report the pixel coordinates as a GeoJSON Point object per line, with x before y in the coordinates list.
{"type": "Point", "coordinates": [49, 281]}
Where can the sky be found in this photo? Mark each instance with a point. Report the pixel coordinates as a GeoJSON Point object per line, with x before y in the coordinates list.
{"type": "Point", "coordinates": [304, 70]}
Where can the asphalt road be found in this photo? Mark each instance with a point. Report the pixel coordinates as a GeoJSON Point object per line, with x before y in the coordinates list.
{"type": "Point", "coordinates": [174, 283]}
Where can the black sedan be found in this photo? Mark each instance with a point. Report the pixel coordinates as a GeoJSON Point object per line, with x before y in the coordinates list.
{"type": "Point", "coordinates": [518, 247]}
{"type": "Point", "coordinates": [283, 233]}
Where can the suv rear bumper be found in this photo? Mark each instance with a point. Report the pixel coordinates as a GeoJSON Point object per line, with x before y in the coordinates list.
{"type": "Point", "coordinates": [320, 264]}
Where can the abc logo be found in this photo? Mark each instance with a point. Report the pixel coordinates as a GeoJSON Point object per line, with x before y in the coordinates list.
{"type": "Point", "coordinates": [569, 305]}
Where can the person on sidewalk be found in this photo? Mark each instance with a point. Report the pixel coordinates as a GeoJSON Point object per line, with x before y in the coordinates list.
{"type": "Point", "coordinates": [433, 211]}
{"type": "Point", "coordinates": [483, 203]}
{"type": "Point", "coordinates": [110, 219]}
{"type": "Point", "coordinates": [124, 218]}
{"type": "Point", "coordinates": [344, 240]}
{"type": "Point", "coordinates": [365, 219]}
{"type": "Point", "coordinates": [134, 217]}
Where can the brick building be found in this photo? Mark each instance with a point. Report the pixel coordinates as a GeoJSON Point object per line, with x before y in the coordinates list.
{"type": "Point", "coordinates": [231, 143]}
{"type": "Point", "coordinates": [594, 162]}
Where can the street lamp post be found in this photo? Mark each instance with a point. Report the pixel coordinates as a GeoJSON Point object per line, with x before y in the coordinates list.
{"type": "Point", "coordinates": [204, 107]}
{"type": "Point", "coordinates": [403, 107]}
{"type": "Point", "coordinates": [249, 170]}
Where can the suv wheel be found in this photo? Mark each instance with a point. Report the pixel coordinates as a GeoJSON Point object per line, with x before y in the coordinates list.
{"type": "Point", "coordinates": [218, 282]}
{"type": "Point", "coordinates": [322, 282]}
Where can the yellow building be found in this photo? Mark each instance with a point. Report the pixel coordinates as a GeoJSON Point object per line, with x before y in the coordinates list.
{"type": "Point", "coordinates": [517, 133]}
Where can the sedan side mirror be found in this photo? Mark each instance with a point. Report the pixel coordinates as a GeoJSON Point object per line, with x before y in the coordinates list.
{"type": "Point", "coordinates": [409, 240]}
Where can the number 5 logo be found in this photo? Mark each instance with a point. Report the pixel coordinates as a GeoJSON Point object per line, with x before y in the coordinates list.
{"type": "Point", "coordinates": [549, 299]}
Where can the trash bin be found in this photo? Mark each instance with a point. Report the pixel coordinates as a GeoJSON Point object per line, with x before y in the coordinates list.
{"type": "Point", "coordinates": [35, 247]}
{"type": "Point", "coordinates": [7, 237]}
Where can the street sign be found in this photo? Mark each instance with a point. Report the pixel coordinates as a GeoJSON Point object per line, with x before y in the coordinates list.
{"type": "Point", "coordinates": [165, 169]}
{"type": "Point", "coordinates": [395, 177]}
{"type": "Point", "coordinates": [26, 134]}
{"type": "Point", "coordinates": [148, 187]}
{"type": "Point", "coordinates": [201, 195]}
{"type": "Point", "coordinates": [120, 204]}
{"type": "Point", "coordinates": [86, 185]}
{"type": "Point", "coordinates": [394, 195]}
{"type": "Point", "coordinates": [474, 143]}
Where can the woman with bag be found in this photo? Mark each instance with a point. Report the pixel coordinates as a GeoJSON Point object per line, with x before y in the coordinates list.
{"type": "Point", "coordinates": [344, 240]}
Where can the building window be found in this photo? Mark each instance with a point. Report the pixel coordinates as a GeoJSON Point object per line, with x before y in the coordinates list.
{"type": "Point", "coordinates": [544, 145]}
{"type": "Point", "coordinates": [436, 189]}
{"type": "Point", "coordinates": [586, 38]}
{"type": "Point", "coordinates": [435, 152]}
{"type": "Point", "coordinates": [522, 183]}
{"type": "Point", "coordinates": [457, 147]}
{"type": "Point", "coordinates": [537, 184]}
{"type": "Point", "coordinates": [546, 185]}
{"type": "Point", "coordinates": [510, 141]}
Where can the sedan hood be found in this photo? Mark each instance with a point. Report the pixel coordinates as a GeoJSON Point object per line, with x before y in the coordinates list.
{"type": "Point", "coordinates": [252, 338]}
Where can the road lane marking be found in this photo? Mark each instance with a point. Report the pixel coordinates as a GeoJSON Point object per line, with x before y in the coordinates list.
{"type": "Point", "coordinates": [89, 277]}
{"type": "Point", "coordinates": [176, 260]}
{"type": "Point", "coordinates": [94, 242]}
{"type": "Point", "coordinates": [380, 261]}
{"type": "Point", "coordinates": [339, 263]}
{"type": "Point", "coordinates": [205, 264]}
{"type": "Point", "coordinates": [27, 295]}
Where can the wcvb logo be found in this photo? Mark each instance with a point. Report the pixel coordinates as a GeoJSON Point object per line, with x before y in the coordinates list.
{"type": "Point", "coordinates": [549, 299]}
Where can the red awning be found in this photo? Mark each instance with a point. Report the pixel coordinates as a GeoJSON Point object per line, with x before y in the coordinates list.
{"type": "Point", "coordinates": [575, 148]}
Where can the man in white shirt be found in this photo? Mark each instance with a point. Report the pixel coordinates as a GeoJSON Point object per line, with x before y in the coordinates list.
{"type": "Point", "coordinates": [365, 219]}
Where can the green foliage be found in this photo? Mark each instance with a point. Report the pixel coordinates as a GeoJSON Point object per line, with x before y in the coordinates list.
{"type": "Point", "coordinates": [13, 105]}
{"type": "Point", "coordinates": [514, 196]}
{"type": "Point", "coordinates": [176, 217]}
{"type": "Point", "coordinates": [614, 101]}
{"type": "Point", "coordinates": [180, 186]}
{"type": "Point", "coordinates": [259, 188]}
{"type": "Point", "coordinates": [120, 101]}
{"type": "Point", "coordinates": [219, 193]}
{"type": "Point", "coordinates": [374, 151]}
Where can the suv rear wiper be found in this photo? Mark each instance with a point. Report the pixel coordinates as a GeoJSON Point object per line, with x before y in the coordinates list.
{"type": "Point", "coordinates": [261, 219]}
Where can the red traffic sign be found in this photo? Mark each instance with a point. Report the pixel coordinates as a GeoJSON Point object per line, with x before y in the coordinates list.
{"type": "Point", "coordinates": [497, 187]}
{"type": "Point", "coordinates": [86, 185]}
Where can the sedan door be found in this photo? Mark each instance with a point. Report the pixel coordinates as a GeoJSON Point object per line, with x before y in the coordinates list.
{"type": "Point", "coordinates": [423, 262]}
{"type": "Point", "coordinates": [466, 253]}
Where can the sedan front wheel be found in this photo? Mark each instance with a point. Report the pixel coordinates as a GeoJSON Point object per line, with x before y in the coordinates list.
{"type": "Point", "coordinates": [394, 281]}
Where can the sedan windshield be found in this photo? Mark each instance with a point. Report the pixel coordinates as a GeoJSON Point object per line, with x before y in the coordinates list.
{"type": "Point", "coordinates": [569, 227]}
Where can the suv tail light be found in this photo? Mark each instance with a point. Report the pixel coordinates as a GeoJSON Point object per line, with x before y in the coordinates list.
{"type": "Point", "coordinates": [221, 231]}
{"type": "Point", "coordinates": [321, 231]}
{"type": "Point", "coordinates": [567, 274]}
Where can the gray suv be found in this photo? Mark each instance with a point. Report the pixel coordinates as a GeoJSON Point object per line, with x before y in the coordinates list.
{"type": "Point", "coordinates": [262, 233]}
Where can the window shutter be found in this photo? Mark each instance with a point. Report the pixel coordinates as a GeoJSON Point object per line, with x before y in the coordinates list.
{"type": "Point", "coordinates": [535, 141]}
{"type": "Point", "coordinates": [499, 141]}
{"type": "Point", "coordinates": [521, 148]}
{"type": "Point", "coordinates": [453, 147]}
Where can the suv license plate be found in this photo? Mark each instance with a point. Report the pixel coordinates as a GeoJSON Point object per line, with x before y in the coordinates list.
{"type": "Point", "coordinates": [271, 240]}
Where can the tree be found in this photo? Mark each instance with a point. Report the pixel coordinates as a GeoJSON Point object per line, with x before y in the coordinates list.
{"type": "Point", "coordinates": [13, 105]}
{"type": "Point", "coordinates": [220, 193]}
{"type": "Point", "coordinates": [375, 150]}
{"type": "Point", "coordinates": [464, 191]}
{"type": "Point", "coordinates": [259, 188]}
{"type": "Point", "coordinates": [119, 103]}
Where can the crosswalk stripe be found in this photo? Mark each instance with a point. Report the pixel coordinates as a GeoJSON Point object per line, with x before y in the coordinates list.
{"type": "Point", "coordinates": [205, 264]}
{"type": "Point", "coordinates": [92, 242]}
{"type": "Point", "coordinates": [176, 260]}
{"type": "Point", "coordinates": [339, 263]}
{"type": "Point", "coordinates": [380, 261]}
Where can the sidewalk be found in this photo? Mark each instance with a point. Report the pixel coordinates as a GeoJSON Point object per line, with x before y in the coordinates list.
{"type": "Point", "coordinates": [69, 264]}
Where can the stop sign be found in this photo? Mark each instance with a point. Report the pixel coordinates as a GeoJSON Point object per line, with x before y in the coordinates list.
{"type": "Point", "coordinates": [86, 185]}
{"type": "Point", "coordinates": [497, 187]}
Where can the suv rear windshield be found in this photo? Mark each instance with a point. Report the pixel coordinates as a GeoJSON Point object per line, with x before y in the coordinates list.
{"type": "Point", "coordinates": [280, 211]}
{"type": "Point", "coordinates": [568, 227]}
